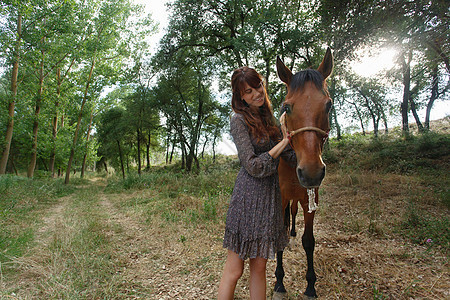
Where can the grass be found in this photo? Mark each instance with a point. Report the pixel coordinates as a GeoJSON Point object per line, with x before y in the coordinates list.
{"type": "Point", "coordinates": [83, 255]}
{"type": "Point", "coordinates": [377, 189]}
{"type": "Point", "coordinates": [21, 201]}
{"type": "Point", "coordinates": [178, 196]}
{"type": "Point", "coordinates": [413, 170]}
{"type": "Point", "coordinates": [74, 259]}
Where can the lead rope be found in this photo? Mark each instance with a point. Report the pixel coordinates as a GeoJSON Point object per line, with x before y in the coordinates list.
{"type": "Point", "coordinates": [312, 206]}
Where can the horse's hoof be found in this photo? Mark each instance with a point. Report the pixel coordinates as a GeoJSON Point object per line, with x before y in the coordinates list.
{"type": "Point", "coordinates": [279, 296]}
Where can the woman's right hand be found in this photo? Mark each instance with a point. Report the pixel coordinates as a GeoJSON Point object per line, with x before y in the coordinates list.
{"type": "Point", "coordinates": [283, 126]}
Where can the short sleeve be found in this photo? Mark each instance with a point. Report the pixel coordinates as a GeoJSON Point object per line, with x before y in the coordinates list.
{"type": "Point", "coordinates": [261, 165]}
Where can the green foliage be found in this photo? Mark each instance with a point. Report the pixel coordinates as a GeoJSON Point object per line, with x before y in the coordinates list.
{"type": "Point", "coordinates": [413, 155]}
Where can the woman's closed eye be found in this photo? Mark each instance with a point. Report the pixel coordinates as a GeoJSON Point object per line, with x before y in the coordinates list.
{"type": "Point", "coordinates": [250, 90]}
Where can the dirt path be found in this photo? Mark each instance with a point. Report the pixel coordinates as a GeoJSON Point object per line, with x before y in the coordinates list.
{"type": "Point", "coordinates": [152, 258]}
{"type": "Point", "coordinates": [162, 262]}
{"type": "Point", "coordinates": [174, 262]}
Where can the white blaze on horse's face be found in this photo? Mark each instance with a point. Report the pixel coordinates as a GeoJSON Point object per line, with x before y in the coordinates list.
{"type": "Point", "coordinates": [307, 108]}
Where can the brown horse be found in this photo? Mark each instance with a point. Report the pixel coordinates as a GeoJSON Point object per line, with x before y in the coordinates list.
{"type": "Point", "coordinates": [307, 106]}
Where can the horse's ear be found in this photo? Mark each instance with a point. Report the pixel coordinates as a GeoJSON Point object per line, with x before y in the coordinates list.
{"type": "Point", "coordinates": [326, 66]}
{"type": "Point", "coordinates": [283, 72]}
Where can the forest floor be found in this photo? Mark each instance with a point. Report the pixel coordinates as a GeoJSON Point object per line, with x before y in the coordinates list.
{"type": "Point", "coordinates": [96, 243]}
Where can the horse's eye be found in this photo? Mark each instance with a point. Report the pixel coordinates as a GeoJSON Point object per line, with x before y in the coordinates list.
{"type": "Point", "coordinates": [328, 106]}
{"type": "Point", "coordinates": [286, 108]}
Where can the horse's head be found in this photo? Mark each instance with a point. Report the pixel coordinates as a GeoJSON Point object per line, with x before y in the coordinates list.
{"type": "Point", "coordinates": [307, 108]}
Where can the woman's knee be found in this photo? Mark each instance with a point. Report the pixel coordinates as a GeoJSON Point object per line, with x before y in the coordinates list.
{"type": "Point", "coordinates": [258, 265]}
{"type": "Point", "coordinates": [234, 266]}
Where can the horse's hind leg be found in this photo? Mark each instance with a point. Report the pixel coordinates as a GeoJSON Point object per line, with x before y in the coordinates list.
{"type": "Point", "coordinates": [294, 210]}
{"type": "Point", "coordinates": [279, 291]}
{"type": "Point", "coordinates": [308, 245]}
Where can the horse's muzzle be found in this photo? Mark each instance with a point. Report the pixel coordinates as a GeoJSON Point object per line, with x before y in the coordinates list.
{"type": "Point", "coordinates": [310, 179]}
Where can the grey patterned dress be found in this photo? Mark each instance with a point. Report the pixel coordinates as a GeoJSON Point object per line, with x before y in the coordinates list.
{"type": "Point", "coordinates": [254, 225]}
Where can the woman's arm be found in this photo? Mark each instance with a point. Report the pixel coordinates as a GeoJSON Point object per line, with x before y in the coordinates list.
{"type": "Point", "coordinates": [261, 165]}
{"type": "Point", "coordinates": [276, 151]}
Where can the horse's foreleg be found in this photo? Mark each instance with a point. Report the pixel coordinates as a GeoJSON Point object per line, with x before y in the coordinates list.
{"type": "Point", "coordinates": [279, 274]}
{"type": "Point", "coordinates": [308, 244]}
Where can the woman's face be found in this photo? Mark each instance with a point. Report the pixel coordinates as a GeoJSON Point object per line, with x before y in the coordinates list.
{"type": "Point", "coordinates": [254, 97]}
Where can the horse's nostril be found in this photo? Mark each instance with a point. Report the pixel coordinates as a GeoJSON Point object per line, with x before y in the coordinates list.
{"type": "Point", "coordinates": [308, 180]}
{"type": "Point", "coordinates": [300, 175]}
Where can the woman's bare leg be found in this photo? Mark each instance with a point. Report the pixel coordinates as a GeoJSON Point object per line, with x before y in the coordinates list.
{"type": "Point", "coordinates": [234, 267]}
{"type": "Point", "coordinates": [258, 278]}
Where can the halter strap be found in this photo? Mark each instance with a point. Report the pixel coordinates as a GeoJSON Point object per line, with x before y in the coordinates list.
{"type": "Point", "coordinates": [294, 132]}
{"type": "Point", "coordinates": [308, 128]}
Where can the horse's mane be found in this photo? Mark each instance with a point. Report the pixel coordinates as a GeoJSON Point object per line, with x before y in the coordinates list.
{"type": "Point", "coordinates": [299, 79]}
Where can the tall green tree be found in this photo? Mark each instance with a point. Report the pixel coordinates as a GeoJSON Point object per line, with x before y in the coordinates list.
{"type": "Point", "coordinates": [413, 27]}
{"type": "Point", "coordinates": [14, 11]}
{"type": "Point", "coordinates": [104, 46]}
{"type": "Point", "coordinates": [111, 131]}
{"type": "Point", "coordinates": [184, 98]}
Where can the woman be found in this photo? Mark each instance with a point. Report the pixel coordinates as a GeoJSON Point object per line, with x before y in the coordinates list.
{"type": "Point", "coordinates": [254, 226]}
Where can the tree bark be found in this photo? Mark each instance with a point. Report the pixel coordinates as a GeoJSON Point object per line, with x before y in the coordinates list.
{"type": "Point", "coordinates": [83, 166]}
{"type": "Point", "coordinates": [32, 164]}
{"type": "Point", "coordinates": [416, 116]}
{"type": "Point", "coordinates": [55, 123]}
{"type": "Point", "coordinates": [139, 150]}
{"type": "Point", "coordinates": [434, 95]}
{"type": "Point", "coordinates": [80, 115]}
{"type": "Point", "coordinates": [59, 81]}
{"type": "Point", "coordinates": [148, 151]}
{"type": "Point", "coordinates": [406, 70]}
{"type": "Point", "coordinates": [336, 123]}
{"type": "Point", "coordinates": [121, 159]}
{"type": "Point", "coordinates": [12, 102]}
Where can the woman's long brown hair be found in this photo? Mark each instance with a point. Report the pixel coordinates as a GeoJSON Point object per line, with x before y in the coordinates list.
{"type": "Point", "coordinates": [261, 122]}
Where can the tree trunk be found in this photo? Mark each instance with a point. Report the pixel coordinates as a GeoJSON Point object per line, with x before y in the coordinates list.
{"type": "Point", "coordinates": [83, 166]}
{"type": "Point", "coordinates": [148, 151]}
{"type": "Point", "coordinates": [336, 124]}
{"type": "Point", "coordinates": [55, 123]}
{"type": "Point", "coordinates": [361, 121]}
{"type": "Point", "coordinates": [204, 146]}
{"type": "Point", "coordinates": [80, 115]}
{"type": "Point", "coordinates": [12, 102]}
{"type": "Point", "coordinates": [371, 112]}
{"type": "Point", "coordinates": [171, 152]}
{"type": "Point", "coordinates": [214, 147]}
{"type": "Point", "coordinates": [416, 116]}
{"type": "Point", "coordinates": [32, 164]}
{"type": "Point", "coordinates": [406, 70]}
{"type": "Point", "coordinates": [434, 96]}
{"type": "Point", "coordinates": [59, 81]}
{"type": "Point", "coordinates": [139, 150]}
{"type": "Point", "coordinates": [121, 159]}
